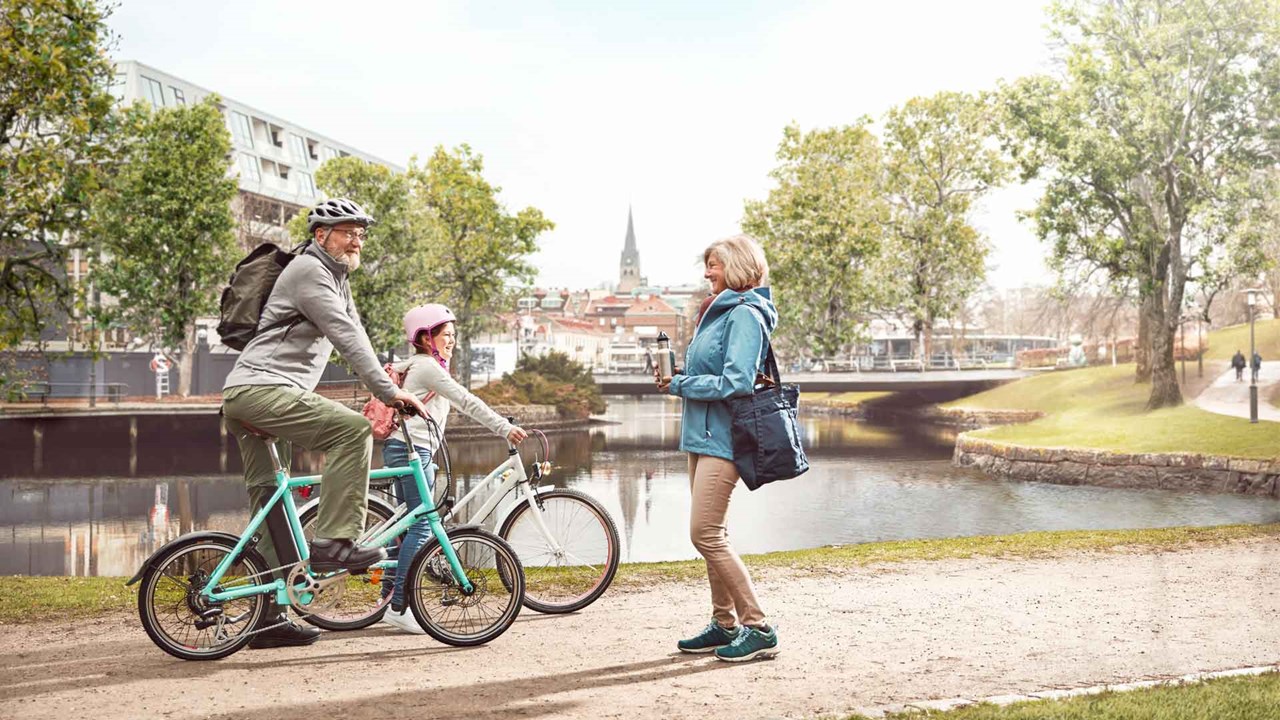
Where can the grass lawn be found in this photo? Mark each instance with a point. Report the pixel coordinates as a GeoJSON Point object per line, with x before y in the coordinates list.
{"type": "Point", "coordinates": [1224, 343]}
{"type": "Point", "coordinates": [31, 599]}
{"type": "Point", "coordinates": [1237, 698]}
{"type": "Point", "coordinates": [1102, 408]}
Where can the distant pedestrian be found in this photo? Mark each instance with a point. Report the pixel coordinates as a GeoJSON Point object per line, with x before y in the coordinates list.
{"type": "Point", "coordinates": [648, 361]}
{"type": "Point", "coordinates": [1256, 366]}
{"type": "Point", "coordinates": [1238, 362]}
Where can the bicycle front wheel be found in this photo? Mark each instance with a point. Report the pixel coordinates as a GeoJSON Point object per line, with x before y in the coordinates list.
{"type": "Point", "coordinates": [183, 622]}
{"type": "Point", "coordinates": [575, 565]}
{"type": "Point", "coordinates": [445, 610]}
{"type": "Point", "coordinates": [362, 603]}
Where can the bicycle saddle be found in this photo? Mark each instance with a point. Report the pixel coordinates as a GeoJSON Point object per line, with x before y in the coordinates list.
{"type": "Point", "coordinates": [256, 431]}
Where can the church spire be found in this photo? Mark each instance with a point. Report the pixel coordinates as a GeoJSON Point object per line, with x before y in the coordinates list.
{"type": "Point", "coordinates": [630, 247]}
{"type": "Point", "coordinates": [629, 266]}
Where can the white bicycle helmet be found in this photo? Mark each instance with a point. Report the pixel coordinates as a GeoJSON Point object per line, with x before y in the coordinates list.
{"type": "Point", "coordinates": [338, 210]}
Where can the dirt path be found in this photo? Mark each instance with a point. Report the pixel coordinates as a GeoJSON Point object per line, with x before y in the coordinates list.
{"type": "Point", "coordinates": [1227, 396]}
{"type": "Point", "coordinates": [859, 638]}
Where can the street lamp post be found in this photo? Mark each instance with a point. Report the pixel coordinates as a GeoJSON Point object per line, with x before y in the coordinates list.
{"type": "Point", "coordinates": [1182, 342]}
{"type": "Point", "coordinates": [1251, 296]}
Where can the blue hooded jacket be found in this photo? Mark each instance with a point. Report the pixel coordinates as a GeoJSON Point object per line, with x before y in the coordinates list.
{"type": "Point", "coordinates": [728, 348]}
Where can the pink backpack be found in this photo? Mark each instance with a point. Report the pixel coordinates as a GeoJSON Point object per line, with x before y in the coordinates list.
{"type": "Point", "coordinates": [385, 419]}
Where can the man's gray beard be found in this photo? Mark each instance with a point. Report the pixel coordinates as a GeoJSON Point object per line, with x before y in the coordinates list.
{"type": "Point", "coordinates": [351, 260]}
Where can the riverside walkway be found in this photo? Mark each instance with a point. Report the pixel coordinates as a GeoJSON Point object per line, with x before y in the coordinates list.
{"type": "Point", "coordinates": [962, 382]}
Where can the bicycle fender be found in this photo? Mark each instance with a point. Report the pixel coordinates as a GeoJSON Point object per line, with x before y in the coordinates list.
{"type": "Point", "coordinates": [205, 535]}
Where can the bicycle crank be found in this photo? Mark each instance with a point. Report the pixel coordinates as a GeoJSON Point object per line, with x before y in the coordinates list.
{"type": "Point", "coordinates": [310, 594]}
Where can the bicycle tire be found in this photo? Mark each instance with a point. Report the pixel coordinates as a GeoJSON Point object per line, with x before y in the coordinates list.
{"type": "Point", "coordinates": [164, 596]}
{"type": "Point", "coordinates": [552, 586]}
{"type": "Point", "coordinates": [362, 602]}
{"type": "Point", "coordinates": [444, 611]}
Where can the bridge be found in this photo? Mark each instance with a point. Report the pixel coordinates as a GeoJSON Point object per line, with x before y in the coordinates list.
{"type": "Point", "coordinates": [951, 382]}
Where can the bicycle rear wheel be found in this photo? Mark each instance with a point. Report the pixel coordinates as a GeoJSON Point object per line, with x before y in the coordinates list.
{"type": "Point", "coordinates": [362, 603]}
{"type": "Point", "coordinates": [578, 572]}
{"type": "Point", "coordinates": [185, 624]}
{"type": "Point", "coordinates": [446, 612]}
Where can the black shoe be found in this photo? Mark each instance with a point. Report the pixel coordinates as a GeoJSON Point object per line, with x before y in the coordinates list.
{"type": "Point", "coordinates": [288, 635]}
{"type": "Point", "coordinates": [333, 555]}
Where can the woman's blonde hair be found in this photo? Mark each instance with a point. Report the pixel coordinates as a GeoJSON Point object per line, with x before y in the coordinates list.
{"type": "Point", "coordinates": [744, 262]}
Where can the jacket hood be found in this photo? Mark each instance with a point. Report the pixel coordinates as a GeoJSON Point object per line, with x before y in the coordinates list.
{"type": "Point", "coordinates": [760, 298]}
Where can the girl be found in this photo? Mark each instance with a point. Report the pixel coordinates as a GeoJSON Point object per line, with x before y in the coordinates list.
{"type": "Point", "coordinates": [430, 330]}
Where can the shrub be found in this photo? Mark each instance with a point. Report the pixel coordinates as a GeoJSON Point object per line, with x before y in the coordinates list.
{"type": "Point", "coordinates": [551, 379]}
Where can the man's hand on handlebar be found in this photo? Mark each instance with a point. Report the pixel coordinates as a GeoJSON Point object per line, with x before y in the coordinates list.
{"type": "Point", "coordinates": [517, 435]}
{"type": "Point", "coordinates": [406, 401]}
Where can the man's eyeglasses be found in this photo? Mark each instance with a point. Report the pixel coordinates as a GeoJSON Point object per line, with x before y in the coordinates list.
{"type": "Point", "coordinates": [350, 235]}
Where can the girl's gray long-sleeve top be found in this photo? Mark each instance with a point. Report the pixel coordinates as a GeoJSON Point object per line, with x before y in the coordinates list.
{"type": "Point", "coordinates": [426, 375]}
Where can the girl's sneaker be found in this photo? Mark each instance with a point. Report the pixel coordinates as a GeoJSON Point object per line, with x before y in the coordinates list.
{"type": "Point", "coordinates": [712, 637]}
{"type": "Point", "coordinates": [403, 620]}
{"type": "Point", "coordinates": [749, 645]}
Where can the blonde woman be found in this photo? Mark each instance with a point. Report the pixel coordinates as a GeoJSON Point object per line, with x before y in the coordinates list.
{"type": "Point", "coordinates": [728, 348]}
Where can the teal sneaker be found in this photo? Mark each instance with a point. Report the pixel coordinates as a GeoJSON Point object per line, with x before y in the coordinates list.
{"type": "Point", "coordinates": [709, 639]}
{"type": "Point", "coordinates": [749, 645]}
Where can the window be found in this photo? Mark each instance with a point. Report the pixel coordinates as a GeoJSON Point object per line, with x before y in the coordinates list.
{"type": "Point", "coordinates": [153, 90]}
{"type": "Point", "coordinates": [299, 149]}
{"type": "Point", "coordinates": [311, 149]}
{"type": "Point", "coordinates": [249, 167]}
{"type": "Point", "coordinates": [306, 185]}
{"type": "Point", "coordinates": [284, 171]}
{"type": "Point", "coordinates": [178, 97]}
{"type": "Point", "coordinates": [327, 153]}
{"type": "Point", "coordinates": [240, 131]}
{"type": "Point", "coordinates": [276, 135]}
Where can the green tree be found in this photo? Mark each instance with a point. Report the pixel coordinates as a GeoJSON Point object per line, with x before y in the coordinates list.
{"type": "Point", "coordinates": [1162, 106]}
{"type": "Point", "coordinates": [941, 156]}
{"type": "Point", "coordinates": [822, 229]}
{"type": "Point", "coordinates": [479, 256]}
{"type": "Point", "coordinates": [165, 228]}
{"type": "Point", "coordinates": [54, 118]}
{"type": "Point", "coordinates": [392, 260]}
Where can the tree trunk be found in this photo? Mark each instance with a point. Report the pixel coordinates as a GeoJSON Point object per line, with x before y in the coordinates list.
{"type": "Point", "coordinates": [186, 355]}
{"type": "Point", "coordinates": [1142, 347]}
{"type": "Point", "coordinates": [461, 363]}
{"type": "Point", "coordinates": [1164, 376]}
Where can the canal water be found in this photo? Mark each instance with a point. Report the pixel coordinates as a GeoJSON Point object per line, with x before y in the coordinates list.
{"type": "Point", "coordinates": [95, 496]}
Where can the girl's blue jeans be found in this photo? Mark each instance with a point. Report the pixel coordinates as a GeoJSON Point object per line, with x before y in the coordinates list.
{"type": "Point", "coordinates": [396, 454]}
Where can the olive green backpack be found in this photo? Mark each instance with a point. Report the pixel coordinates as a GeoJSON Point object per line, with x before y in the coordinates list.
{"type": "Point", "coordinates": [247, 293]}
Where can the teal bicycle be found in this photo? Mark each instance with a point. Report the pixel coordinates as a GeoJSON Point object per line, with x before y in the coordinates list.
{"type": "Point", "coordinates": [203, 596]}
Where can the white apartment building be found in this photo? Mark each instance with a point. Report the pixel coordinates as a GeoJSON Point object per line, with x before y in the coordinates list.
{"type": "Point", "coordinates": [275, 160]}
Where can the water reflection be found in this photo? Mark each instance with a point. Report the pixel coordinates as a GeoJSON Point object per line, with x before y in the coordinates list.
{"type": "Point", "coordinates": [86, 499]}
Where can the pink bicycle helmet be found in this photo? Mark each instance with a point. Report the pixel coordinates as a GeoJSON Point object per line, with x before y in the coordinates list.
{"type": "Point", "coordinates": [425, 317]}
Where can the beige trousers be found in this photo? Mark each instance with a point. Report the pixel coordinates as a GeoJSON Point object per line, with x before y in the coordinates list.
{"type": "Point", "coordinates": [733, 597]}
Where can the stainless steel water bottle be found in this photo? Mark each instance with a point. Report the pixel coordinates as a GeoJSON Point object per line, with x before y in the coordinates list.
{"type": "Point", "coordinates": [666, 358]}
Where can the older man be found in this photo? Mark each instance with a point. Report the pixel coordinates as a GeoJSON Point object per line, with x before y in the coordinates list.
{"type": "Point", "coordinates": [271, 390]}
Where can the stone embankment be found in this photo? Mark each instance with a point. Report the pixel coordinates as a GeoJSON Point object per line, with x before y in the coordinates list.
{"type": "Point", "coordinates": [541, 417]}
{"type": "Point", "coordinates": [958, 418]}
{"type": "Point", "coordinates": [1166, 471]}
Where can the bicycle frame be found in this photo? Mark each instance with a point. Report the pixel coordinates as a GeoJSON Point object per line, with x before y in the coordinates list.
{"type": "Point", "coordinates": [283, 494]}
{"type": "Point", "coordinates": [509, 475]}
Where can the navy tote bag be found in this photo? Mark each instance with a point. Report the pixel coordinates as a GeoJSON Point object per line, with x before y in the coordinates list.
{"type": "Point", "coordinates": [766, 435]}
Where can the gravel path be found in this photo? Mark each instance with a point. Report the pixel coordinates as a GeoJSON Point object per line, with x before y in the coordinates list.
{"type": "Point", "coordinates": [857, 638]}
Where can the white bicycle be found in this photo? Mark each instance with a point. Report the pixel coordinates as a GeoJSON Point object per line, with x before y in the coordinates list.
{"type": "Point", "coordinates": [566, 541]}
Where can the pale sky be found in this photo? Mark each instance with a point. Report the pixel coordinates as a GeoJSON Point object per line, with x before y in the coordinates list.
{"type": "Point", "coordinates": [582, 109]}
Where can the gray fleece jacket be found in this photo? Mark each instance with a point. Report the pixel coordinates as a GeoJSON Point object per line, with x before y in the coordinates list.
{"type": "Point", "coordinates": [315, 287]}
